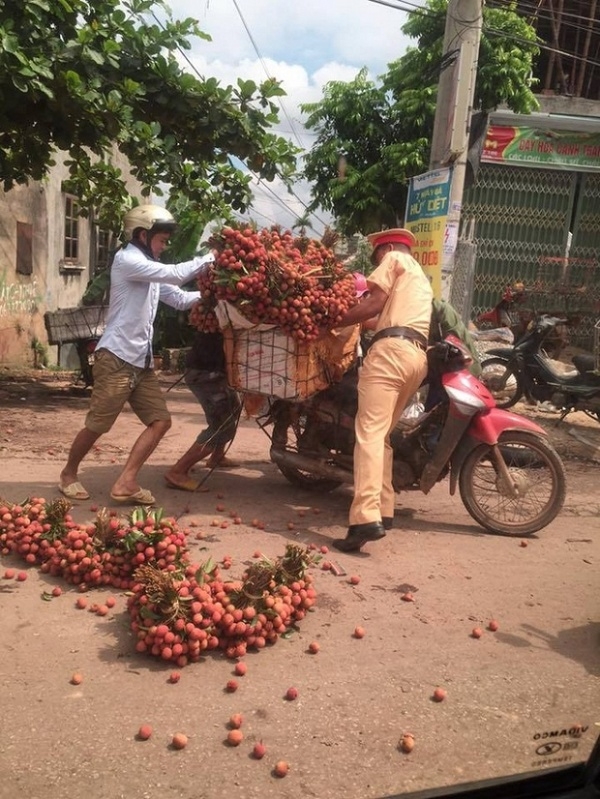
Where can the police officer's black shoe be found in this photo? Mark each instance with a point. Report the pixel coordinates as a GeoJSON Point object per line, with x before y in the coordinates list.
{"type": "Point", "coordinates": [388, 522]}
{"type": "Point", "coordinates": [359, 534]}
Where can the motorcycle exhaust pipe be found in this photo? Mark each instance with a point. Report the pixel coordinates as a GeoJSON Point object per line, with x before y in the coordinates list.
{"type": "Point", "coordinates": [294, 460]}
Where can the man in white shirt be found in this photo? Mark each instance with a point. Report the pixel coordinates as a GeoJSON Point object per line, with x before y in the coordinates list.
{"type": "Point", "coordinates": [123, 366]}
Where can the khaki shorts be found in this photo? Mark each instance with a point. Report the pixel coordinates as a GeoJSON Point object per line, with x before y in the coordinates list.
{"type": "Point", "coordinates": [117, 382]}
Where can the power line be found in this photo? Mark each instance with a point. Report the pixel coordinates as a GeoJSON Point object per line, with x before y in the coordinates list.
{"type": "Point", "coordinates": [496, 32]}
{"type": "Point", "coordinates": [267, 73]}
{"type": "Point", "coordinates": [258, 179]}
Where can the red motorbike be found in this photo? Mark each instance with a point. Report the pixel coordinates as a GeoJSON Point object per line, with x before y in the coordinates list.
{"type": "Point", "coordinates": [510, 478]}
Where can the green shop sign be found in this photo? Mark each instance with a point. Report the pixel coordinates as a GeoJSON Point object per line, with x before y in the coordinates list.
{"type": "Point", "coordinates": [535, 147]}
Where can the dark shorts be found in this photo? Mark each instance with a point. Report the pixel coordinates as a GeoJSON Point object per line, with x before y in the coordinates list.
{"type": "Point", "coordinates": [117, 382]}
{"type": "Point", "coordinates": [220, 403]}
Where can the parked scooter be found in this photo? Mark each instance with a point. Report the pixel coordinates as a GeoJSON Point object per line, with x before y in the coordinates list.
{"type": "Point", "coordinates": [510, 478]}
{"type": "Point", "coordinates": [85, 351]}
{"type": "Point", "coordinates": [511, 313]}
{"type": "Point", "coordinates": [525, 370]}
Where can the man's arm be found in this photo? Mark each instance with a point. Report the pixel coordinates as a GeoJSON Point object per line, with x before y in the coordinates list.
{"type": "Point", "coordinates": [178, 298]}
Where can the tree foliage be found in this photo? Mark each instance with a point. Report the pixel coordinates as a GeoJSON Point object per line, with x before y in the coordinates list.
{"type": "Point", "coordinates": [372, 137]}
{"type": "Point", "coordinates": [84, 77]}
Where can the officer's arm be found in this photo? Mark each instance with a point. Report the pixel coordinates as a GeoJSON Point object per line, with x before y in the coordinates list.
{"type": "Point", "coordinates": [370, 305]}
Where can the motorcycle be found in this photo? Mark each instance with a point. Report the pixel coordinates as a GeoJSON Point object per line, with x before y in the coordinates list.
{"type": "Point", "coordinates": [510, 479]}
{"type": "Point", "coordinates": [85, 352]}
{"type": "Point", "coordinates": [525, 370]}
{"type": "Point", "coordinates": [510, 313]}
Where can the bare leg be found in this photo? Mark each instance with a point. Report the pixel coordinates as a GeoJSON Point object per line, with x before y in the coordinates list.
{"type": "Point", "coordinates": [179, 472]}
{"type": "Point", "coordinates": [82, 444]}
{"type": "Point", "coordinates": [218, 459]}
{"type": "Point", "coordinates": [126, 483]}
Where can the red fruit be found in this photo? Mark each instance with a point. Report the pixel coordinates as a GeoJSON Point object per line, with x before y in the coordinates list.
{"type": "Point", "coordinates": [291, 694]}
{"type": "Point", "coordinates": [81, 603]}
{"type": "Point", "coordinates": [76, 679]}
{"type": "Point", "coordinates": [407, 598]}
{"type": "Point", "coordinates": [235, 721]}
{"type": "Point", "coordinates": [179, 741]}
{"type": "Point", "coordinates": [359, 632]}
{"type": "Point", "coordinates": [313, 647]}
{"type": "Point", "coordinates": [22, 576]}
{"type": "Point", "coordinates": [174, 677]}
{"type": "Point", "coordinates": [9, 574]}
{"type": "Point", "coordinates": [324, 550]}
{"type": "Point", "coordinates": [354, 579]}
{"type": "Point", "coordinates": [235, 737]}
{"type": "Point", "coordinates": [259, 750]}
{"type": "Point", "coordinates": [439, 695]}
{"type": "Point", "coordinates": [241, 668]}
{"type": "Point", "coordinates": [523, 544]}
{"type": "Point", "coordinates": [231, 686]}
{"type": "Point", "coordinates": [144, 732]}
{"type": "Point", "coordinates": [281, 768]}
{"type": "Point", "coordinates": [493, 625]}
{"type": "Point", "coordinates": [102, 610]}
{"type": "Point", "coordinates": [477, 632]}
{"type": "Point", "coordinates": [57, 590]}
{"type": "Point", "coordinates": [110, 602]}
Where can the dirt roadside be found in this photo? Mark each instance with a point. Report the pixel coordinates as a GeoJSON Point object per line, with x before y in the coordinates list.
{"type": "Point", "coordinates": [537, 675]}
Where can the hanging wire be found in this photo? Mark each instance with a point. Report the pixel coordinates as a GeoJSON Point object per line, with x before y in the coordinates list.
{"type": "Point", "coordinates": [267, 73]}
{"type": "Point", "coordinates": [258, 179]}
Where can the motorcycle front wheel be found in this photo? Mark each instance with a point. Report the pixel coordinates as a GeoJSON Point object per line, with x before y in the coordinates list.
{"type": "Point", "coordinates": [503, 383]}
{"type": "Point", "coordinates": [292, 432]}
{"type": "Point", "coordinates": [535, 470]}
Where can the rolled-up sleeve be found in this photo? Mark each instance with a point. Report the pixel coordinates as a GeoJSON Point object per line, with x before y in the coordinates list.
{"type": "Point", "coordinates": [177, 298]}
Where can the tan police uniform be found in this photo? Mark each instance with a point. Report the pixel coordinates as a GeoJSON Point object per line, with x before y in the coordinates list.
{"type": "Point", "coordinates": [393, 370]}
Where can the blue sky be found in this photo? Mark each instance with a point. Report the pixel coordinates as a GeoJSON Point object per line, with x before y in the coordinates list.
{"type": "Point", "coordinates": [302, 43]}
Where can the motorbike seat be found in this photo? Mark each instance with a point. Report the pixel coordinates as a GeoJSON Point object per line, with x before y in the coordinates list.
{"type": "Point", "coordinates": [584, 363]}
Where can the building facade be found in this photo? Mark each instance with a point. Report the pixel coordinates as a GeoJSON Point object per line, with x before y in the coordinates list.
{"type": "Point", "coordinates": [48, 253]}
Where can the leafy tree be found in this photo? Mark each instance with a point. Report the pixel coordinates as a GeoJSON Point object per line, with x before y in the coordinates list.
{"type": "Point", "coordinates": [372, 137]}
{"type": "Point", "coordinates": [85, 77]}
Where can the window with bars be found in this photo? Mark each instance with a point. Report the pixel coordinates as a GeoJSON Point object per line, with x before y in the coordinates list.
{"type": "Point", "coordinates": [104, 246]}
{"type": "Point", "coordinates": [24, 248]}
{"type": "Point", "coordinates": [71, 237]}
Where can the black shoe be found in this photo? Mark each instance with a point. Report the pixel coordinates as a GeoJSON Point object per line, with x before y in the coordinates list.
{"type": "Point", "coordinates": [359, 534]}
{"type": "Point", "coordinates": [388, 522]}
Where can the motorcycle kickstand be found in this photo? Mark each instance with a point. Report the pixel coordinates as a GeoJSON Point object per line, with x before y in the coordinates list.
{"type": "Point", "coordinates": [504, 472]}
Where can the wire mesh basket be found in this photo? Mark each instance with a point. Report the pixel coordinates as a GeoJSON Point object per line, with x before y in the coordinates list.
{"type": "Point", "coordinates": [597, 345]}
{"type": "Point", "coordinates": [73, 324]}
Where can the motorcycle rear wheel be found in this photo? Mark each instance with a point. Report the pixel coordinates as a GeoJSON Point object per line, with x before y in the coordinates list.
{"type": "Point", "coordinates": [538, 473]}
{"type": "Point", "coordinates": [292, 432]}
{"type": "Point", "coordinates": [503, 383]}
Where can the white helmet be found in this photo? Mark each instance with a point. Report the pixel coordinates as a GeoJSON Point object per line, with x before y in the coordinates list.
{"type": "Point", "coordinates": [148, 217]}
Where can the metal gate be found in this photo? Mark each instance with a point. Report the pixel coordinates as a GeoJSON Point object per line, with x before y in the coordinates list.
{"type": "Point", "coordinates": [522, 222]}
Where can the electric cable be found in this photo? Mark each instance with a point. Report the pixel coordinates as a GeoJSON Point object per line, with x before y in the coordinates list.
{"type": "Point", "coordinates": [258, 179]}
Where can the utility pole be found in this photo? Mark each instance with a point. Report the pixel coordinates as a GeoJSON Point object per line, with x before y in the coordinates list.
{"type": "Point", "coordinates": [456, 89]}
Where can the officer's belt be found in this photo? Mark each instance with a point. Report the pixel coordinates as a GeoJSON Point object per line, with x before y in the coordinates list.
{"type": "Point", "coordinates": [401, 332]}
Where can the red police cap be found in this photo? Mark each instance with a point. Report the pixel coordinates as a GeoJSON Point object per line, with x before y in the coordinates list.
{"type": "Point", "coordinates": [392, 236]}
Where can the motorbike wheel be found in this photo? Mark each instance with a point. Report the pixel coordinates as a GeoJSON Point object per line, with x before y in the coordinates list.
{"type": "Point", "coordinates": [504, 384]}
{"type": "Point", "coordinates": [536, 470]}
{"type": "Point", "coordinates": [292, 432]}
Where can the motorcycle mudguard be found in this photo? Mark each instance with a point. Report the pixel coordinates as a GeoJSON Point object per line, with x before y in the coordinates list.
{"type": "Point", "coordinates": [486, 428]}
{"type": "Point", "coordinates": [501, 352]}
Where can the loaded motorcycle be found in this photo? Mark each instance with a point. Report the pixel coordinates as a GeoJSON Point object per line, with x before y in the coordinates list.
{"type": "Point", "coordinates": [510, 479]}
{"type": "Point", "coordinates": [525, 370]}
